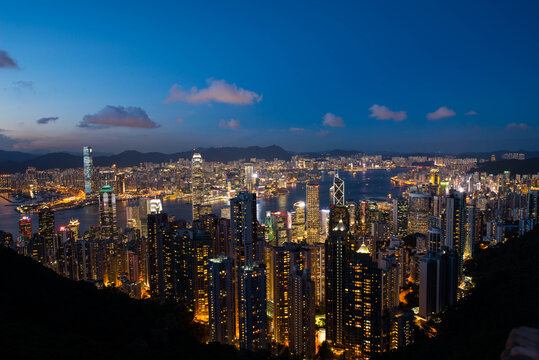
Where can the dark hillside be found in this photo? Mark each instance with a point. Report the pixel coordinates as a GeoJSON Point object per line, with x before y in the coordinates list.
{"type": "Point", "coordinates": [506, 296]}
{"type": "Point", "coordinates": [46, 316]}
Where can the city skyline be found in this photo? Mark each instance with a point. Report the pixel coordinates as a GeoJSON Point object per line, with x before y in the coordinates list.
{"type": "Point", "coordinates": [307, 77]}
{"type": "Point", "coordinates": [251, 250]}
{"type": "Point", "coordinates": [304, 180]}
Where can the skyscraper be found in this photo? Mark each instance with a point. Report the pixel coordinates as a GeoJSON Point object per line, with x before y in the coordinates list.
{"type": "Point", "coordinates": [25, 228]}
{"type": "Point", "coordinates": [161, 259]}
{"type": "Point", "coordinates": [455, 233]}
{"type": "Point", "coordinates": [337, 245]}
{"type": "Point", "coordinates": [316, 262]}
{"type": "Point", "coordinates": [301, 322]}
{"type": "Point", "coordinates": [249, 177]}
{"type": "Point", "coordinates": [119, 184]}
{"type": "Point", "coordinates": [362, 313]}
{"type": "Point", "coordinates": [156, 206]}
{"type": "Point", "coordinates": [338, 190]}
{"type": "Point", "coordinates": [253, 321]}
{"type": "Point", "coordinates": [47, 226]}
{"type": "Point", "coordinates": [533, 204]}
{"type": "Point", "coordinates": [298, 222]}
{"type": "Point", "coordinates": [74, 228]}
{"type": "Point", "coordinates": [195, 251]}
{"type": "Point", "coordinates": [281, 261]}
{"type": "Point", "coordinates": [400, 217]}
{"type": "Point", "coordinates": [277, 229]}
{"type": "Point", "coordinates": [87, 162]}
{"type": "Point", "coordinates": [434, 239]}
{"type": "Point", "coordinates": [438, 282]}
{"type": "Point", "coordinates": [418, 213]}
{"type": "Point", "coordinates": [221, 299]}
{"type": "Point", "coordinates": [401, 330]}
{"type": "Point", "coordinates": [107, 212]}
{"type": "Point", "coordinates": [243, 232]}
{"type": "Point", "coordinates": [313, 213]}
{"type": "Point", "coordinates": [470, 229]}
{"type": "Point", "coordinates": [197, 183]}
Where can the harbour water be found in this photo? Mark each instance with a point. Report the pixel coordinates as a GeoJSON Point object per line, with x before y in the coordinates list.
{"type": "Point", "coordinates": [370, 184]}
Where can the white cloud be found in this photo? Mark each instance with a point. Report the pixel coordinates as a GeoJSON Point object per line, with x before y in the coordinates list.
{"type": "Point", "coordinates": [231, 124]}
{"type": "Point", "coordinates": [521, 126]}
{"type": "Point", "coordinates": [381, 112]}
{"type": "Point", "coordinates": [471, 113]}
{"type": "Point", "coordinates": [322, 133]}
{"type": "Point", "coordinates": [442, 112]}
{"type": "Point", "coordinates": [218, 91]}
{"type": "Point", "coordinates": [134, 117]}
{"type": "Point", "coordinates": [333, 120]}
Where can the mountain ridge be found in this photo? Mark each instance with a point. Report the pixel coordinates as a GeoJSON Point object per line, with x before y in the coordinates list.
{"type": "Point", "coordinates": [62, 160]}
{"type": "Point", "coordinates": [16, 161]}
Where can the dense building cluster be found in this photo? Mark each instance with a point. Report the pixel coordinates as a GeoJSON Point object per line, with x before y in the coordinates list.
{"type": "Point", "coordinates": [301, 277]}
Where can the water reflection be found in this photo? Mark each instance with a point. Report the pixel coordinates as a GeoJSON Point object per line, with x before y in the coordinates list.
{"type": "Point", "coordinates": [369, 184]}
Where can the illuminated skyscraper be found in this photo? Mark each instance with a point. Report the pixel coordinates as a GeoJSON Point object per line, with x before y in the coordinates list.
{"type": "Point", "coordinates": [221, 299]}
{"type": "Point", "coordinates": [119, 184]}
{"type": "Point", "coordinates": [253, 323]}
{"type": "Point", "coordinates": [338, 190]}
{"type": "Point", "coordinates": [194, 252]}
{"type": "Point", "coordinates": [363, 305]}
{"type": "Point", "coordinates": [302, 305]}
{"type": "Point", "coordinates": [533, 204]}
{"type": "Point", "coordinates": [197, 183]}
{"type": "Point", "coordinates": [74, 228]}
{"type": "Point", "coordinates": [243, 232]}
{"type": "Point", "coordinates": [401, 330]}
{"type": "Point", "coordinates": [25, 228]}
{"type": "Point", "coordinates": [313, 213]}
{"type": "Point", "coordinates": [201, 210]}
{"type": "Point", "coordinates": [160, 260]}
{"type": "Point", "coordinates": [46, 226]}
{"type": "Point", "coordinates": [337, 245]}
{"type": "Point", "coordinates": [87, 162]}
{"type": "Point", "coordinates": [316, 262]}
{"type": "Point", "coordinates": [434, 239]}
{"type": "Point", "coordinates": [277, 229]}
{"type": "Point", "coordinates": [107, 212]}
{"type": "Point", "coordinates": [470, 229]}
{"type": "Point", "coordinates": [400, 217]}
{"type": "Point", "coordinates": [249, 177]}
{"type": "Point", "coordinates": [156, 206]}
{"type": "Point", "coordinates": [243, 235]}
{"type": "Point", "coordinates": [298, 222]}
{"type": "Point", "coordinates": [455, 233]}
{"type": "Point", "coordinates": [418, 213]}
{"type": "Point", "coordinates": [280, 270]}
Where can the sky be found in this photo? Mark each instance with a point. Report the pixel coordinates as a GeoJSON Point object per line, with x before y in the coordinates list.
{"type": "Point", "coordinates": [306, 75]}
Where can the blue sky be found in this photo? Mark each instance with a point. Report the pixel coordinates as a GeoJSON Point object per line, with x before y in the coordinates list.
{"type": "Point", "coordinates": [305, 75]}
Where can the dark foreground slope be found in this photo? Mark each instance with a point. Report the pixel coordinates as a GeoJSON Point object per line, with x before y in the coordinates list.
{"type": "Point", "coordinates": [506, 296]}
{"type": "Point", "coordinates": [45, 316]}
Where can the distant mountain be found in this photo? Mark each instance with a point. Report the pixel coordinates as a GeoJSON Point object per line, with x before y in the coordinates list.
{"type": "Point", "coordinates": [226, 154]}
{"type": "Point", "coordinates": [498, 154]}
{"type": "Point", "coordinates": [134, 158]}
{"type": "Point", "coordinates": [332, 153]}
{"type": "Point", "coordinates": [15, 156]}
{"type": "Point", "coordinates": [528, 166]}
